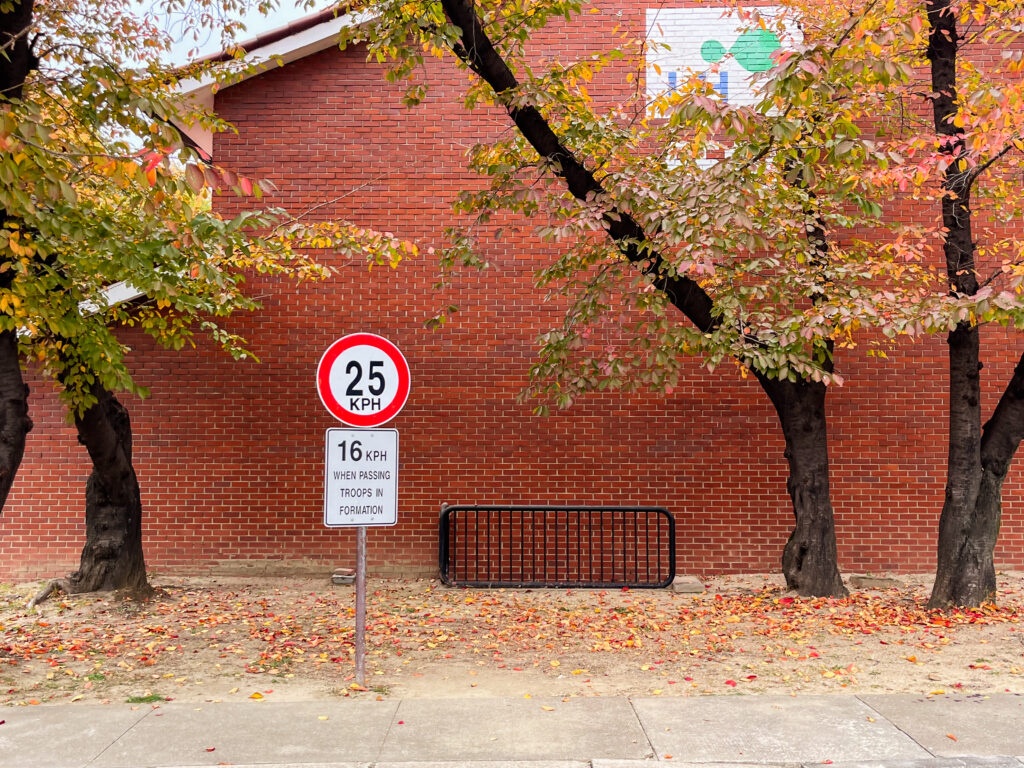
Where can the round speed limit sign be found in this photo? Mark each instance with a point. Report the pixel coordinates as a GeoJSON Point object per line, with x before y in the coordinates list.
{"type": "Point", "coordinates": [363, 380]}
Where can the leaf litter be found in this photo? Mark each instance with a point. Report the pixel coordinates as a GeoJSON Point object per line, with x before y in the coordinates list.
{"type": "Point", "coordinates": [221, 638]}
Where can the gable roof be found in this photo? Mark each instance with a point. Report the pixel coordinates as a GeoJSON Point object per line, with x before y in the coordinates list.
{"type": "Point", "coordinates": [291, 42]}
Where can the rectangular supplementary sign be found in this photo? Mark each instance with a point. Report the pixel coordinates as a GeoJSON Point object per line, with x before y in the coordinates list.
{"type": "Point", "coordinates": [361, 478]}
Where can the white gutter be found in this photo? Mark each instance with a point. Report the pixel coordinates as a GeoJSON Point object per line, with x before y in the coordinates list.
{"type": "Point", "coordinates": [116, 293]}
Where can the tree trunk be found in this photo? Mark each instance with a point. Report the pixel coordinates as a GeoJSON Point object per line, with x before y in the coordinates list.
{"type": "Point", "coordinates": [17, 62]}
{"type": "Point", "coordinates": [14, 421]}
{"type": "Point", "coordinates": [967, 539]}
{"type": "Point", "coordinates": [18, 58]}
{"type": "Point", "coordinates": [809, 560]}
{"type": "Point", "coordinates": [965, 574]}
{"type": "Point", "coordinates": [112, 556]}
{"type": "Point", "coordinates": [969, 525]}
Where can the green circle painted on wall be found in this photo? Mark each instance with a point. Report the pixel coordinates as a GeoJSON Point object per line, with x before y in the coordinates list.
{"type": "Point", "coordinates": [712, 51]}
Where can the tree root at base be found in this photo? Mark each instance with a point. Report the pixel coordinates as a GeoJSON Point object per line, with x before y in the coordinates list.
{"type": "Point", "coordinates": [50, 588]}
{"type": "Point", "coordinates": [68, 586]}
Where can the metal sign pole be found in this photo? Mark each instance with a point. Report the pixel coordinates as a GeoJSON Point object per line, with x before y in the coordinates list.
{"type": "Point", "coordinates": [363, 381]}
{"type": "Point", "coordinates": [361, 605]}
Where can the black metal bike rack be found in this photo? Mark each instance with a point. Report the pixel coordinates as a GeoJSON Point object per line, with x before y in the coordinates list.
{"type": "Point", "coordinates": [557, 546]}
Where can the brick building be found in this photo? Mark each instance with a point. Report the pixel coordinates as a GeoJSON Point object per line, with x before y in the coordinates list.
{"type": "Point", "coordinates": [230, 455]}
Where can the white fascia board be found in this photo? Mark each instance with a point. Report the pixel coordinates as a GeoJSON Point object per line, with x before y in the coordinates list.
{"type": "Point", "coordinates": [284, 51]}
{"type": "Point", "coordinates": [115, 293]}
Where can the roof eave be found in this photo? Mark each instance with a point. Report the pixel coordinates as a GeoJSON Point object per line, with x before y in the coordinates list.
{"type": "Point", "coordinates": [270, 50]}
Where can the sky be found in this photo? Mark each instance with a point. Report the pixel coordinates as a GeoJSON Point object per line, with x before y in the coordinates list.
{"type": "Point", "coordinates": [256, 23]}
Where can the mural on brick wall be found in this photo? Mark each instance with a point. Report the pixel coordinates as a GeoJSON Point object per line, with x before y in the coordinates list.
{"type": "Point", "coordinates": [716, 44]}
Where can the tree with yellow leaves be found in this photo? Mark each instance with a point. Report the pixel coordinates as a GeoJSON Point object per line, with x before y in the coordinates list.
{"type": "Point", "coordinates": [99, 189]}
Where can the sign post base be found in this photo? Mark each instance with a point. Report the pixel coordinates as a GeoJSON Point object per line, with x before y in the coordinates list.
{"type": "Point", "coordinates": [361, 605]}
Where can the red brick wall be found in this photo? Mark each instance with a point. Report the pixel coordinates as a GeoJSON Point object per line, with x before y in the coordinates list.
{"type": "Point", "coordinates": [230, 455]}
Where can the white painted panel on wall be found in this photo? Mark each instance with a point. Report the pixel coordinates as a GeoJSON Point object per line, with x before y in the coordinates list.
{"type": "Point", "coordinates": [715, 43]}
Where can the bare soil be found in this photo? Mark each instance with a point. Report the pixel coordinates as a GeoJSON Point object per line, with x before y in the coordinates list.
{"type": "Point", "coordinates": [218, 639]}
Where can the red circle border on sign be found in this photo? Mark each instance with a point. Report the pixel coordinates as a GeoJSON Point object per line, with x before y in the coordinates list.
{"type": "Point", "coordinates": [336, 409]}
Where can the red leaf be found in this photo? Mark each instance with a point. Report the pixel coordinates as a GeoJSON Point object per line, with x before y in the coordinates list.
{"type": "Point", "coordinates": [731, 682]}
{"type": "Point", "coordinates": [195, 177]}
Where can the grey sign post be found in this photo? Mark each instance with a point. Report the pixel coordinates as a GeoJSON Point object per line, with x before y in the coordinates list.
{"type": "Point", "coordinates": [363, 381]}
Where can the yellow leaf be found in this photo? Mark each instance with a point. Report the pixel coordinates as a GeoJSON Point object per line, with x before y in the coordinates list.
{"type": "Point", "coordinates": [548, 709]}
{"type": "Point", "coordinates": [256, 695]}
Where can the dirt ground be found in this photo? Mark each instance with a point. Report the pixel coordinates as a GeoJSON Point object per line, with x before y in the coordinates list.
{"type": "Point", "coordinates": [219, 639]}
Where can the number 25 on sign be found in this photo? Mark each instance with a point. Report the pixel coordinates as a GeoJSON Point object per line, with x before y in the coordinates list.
{"type": "Point", "coordinates": [363, 380]}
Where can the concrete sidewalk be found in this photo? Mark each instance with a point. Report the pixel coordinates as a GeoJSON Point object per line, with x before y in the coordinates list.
{"type": "Point", "coordinates": [867, 731]}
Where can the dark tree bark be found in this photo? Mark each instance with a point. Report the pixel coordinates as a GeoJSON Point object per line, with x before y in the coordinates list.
{"type": "Point", "coordinates": [809, 560]}
{"type": "Point", "coordinates": [968, 534]}
{"type": "Point", "coordinates": [14, 421]}
{"type": "Point", "coordinates": [16, 63]}
{"type": "Point", "coordinates": [969, 525]}
{"type": "Point", "coordinates": [112, 557]}
{"type": "Point", "coordinates": [18, 59]}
